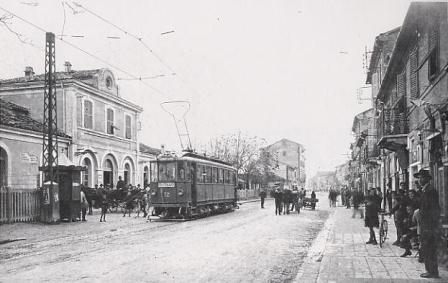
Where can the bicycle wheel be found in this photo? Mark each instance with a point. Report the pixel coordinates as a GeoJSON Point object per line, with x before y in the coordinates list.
{"type": "Point", "coordinates": [385, 227]}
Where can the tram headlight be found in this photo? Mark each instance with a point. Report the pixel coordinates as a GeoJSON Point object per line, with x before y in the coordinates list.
{"type": "Point", "coordinates": [180, 192]}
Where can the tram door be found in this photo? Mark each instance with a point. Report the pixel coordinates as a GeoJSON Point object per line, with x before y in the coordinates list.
{"type": "Point", "coordinates": [193, 183]}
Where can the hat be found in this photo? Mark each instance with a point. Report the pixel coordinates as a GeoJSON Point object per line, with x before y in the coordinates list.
{"type": "Point", "coordinates": [422, 173]}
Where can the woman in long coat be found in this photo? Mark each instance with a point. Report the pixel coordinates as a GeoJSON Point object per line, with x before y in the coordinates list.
{"type": "Point", "coordinates": [371, 220]}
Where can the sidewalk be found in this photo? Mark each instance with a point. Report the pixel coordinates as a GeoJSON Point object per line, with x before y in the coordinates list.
{"type": "Point", "coordinates": [339, 254]}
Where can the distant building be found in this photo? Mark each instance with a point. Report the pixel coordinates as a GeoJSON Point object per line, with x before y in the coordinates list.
{"type": "Point", "coordinates": [104, 127]}
{"type": "Point", "coordinates": [341, 174]}
{"type": "Point", "coordinates": [323, 181]}
{"type": "Point", "coordinates": [289, 161]}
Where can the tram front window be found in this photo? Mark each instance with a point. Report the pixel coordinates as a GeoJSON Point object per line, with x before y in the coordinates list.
{"type": "Point", "coordinates": [167, 171]}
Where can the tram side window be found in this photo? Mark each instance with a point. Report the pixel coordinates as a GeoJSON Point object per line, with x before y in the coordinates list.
{"type": "Point", "coordinates": [200, 171]}
{"type": "Point", "coordinates": [184, 172]}
{"type": "Point", "coordinates": [167, 171]}
{"type": "Point", "coordinates": [220, 175]}
{"type": "Point", "coordinates": [232, 178]}
{"type": "Point", "coordinates": [215, 174]}
{"type": "Point", "coordinates": [154, 171]}
{"type": "Point", "coordinates": [226, 176]}
{"type": "Point", "coordinates": [209, 174]}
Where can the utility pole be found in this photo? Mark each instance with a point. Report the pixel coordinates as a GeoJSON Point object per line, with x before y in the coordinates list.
{"type": "Point", "coordinates": [50, 190]}
{"type": "Point", "coordinates": [50, 137]}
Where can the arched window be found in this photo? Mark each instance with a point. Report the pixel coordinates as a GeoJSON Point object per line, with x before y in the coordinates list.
{"type": "Point", "coordinates": [86, 176]}
{"type": "Point", "coordinates": [88, 114]}
{"type": "Point", "coordinates": [127, 174]}
{"type": "Point", "coordinates": [3, 168]}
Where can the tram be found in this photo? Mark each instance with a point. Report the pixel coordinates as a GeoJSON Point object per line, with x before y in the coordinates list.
{"type": "Point", "coordinates": [191, 186]}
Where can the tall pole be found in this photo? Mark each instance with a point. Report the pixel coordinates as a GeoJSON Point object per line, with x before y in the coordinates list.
{"type": "Point", "coordinates": [50, 137]}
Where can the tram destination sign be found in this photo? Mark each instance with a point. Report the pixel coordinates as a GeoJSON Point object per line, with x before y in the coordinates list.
{"type": "Point", "coordinates": [166, 185]}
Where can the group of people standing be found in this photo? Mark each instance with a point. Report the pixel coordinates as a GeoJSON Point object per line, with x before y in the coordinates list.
{"type": "Point", "coordinates": [289, 200]}
{"type": "Point", "coordinates": [126, 196]}
{"type": "Point", "coordinates": [416, 218]}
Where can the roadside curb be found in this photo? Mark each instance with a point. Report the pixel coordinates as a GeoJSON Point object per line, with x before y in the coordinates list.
{"type": "Point", "coordinates": [316, 252]}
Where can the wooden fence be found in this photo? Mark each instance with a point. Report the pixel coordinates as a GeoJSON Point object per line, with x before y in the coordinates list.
{"type": "Point", "coordinates": [18, 205]}
{"type": "Point", "coordinates": [248, 194]}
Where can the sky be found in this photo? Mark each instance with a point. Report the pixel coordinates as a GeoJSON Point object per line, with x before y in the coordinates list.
{"type": "Point", "coordinates": [273, 69]}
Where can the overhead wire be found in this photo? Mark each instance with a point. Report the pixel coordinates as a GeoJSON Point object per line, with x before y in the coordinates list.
{"type": "Point", "coordinates": [142, 42]}
{"type": "Point", "coordinates": [88, 53]}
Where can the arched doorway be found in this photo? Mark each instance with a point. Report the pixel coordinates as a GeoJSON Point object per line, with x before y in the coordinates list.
{"type": "Point", "coordinates": [3, 167]}
{"type": "Point", "coordinates": [108, 173]}
{"type": "Point", "coordinates": [127, 174]}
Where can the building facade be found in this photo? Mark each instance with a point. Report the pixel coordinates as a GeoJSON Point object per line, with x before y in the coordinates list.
{"type": "Point", "coordinates": [104, 127]}
{"type": "Point", "coordinates": [21, 147]}
{"type": "Point", "coordinates": [410, 99]}
{"type": "Point", "coordinates": [289, 159]}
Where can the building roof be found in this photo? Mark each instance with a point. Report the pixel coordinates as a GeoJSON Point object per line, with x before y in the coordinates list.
{"type": "Point", "coordinates": [416, 16]}
{"type": "Point", "coordinates": [377, 48]}
{"type": "Point", "coordinates": [149, 150]}
{"type": "Point", "coordinates": [16, 116]}
{"type": "Point", "coordinates": [84, 75]}
{"type": "Point", "coordinates": [284, 140]}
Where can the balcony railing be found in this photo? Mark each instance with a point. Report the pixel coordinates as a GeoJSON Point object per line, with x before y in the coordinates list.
{"type": "Point", "coordinates": [393, 122]}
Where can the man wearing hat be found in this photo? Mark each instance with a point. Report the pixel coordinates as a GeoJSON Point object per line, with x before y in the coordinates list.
{"type": "Point", "coordinates": [429, 212]}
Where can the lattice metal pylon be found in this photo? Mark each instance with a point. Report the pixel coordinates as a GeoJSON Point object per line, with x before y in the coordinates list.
{"type": "Point", "coordinates": [50, 137]}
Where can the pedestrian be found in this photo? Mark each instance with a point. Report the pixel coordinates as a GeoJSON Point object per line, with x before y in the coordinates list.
{"type": "Point", "coordinates": [84, 204]}
{"type": "Point", "coordinates": [408, 231]}
{"type": "Point", "coordinates": [262, 197]}
{"type": "Point", "coordinates": [295, 200]}
{"type": "Point", "coordinates": [287, 199]}
{"type": "Point", "coordinates": [429, 213]}
{"type": "Point", "coordinates": [104, 205]}
{"type": "Point", "coordinates": [128, 204]}
{"type": "Point", "coordinates": [313, 200]}
{"type": "Point", "coordinates": [278, 197]}
{"type": "Point", "coordinates": [399, 211]}
{"type": "Point", "coordinates": [358, 198]}
{"type": "Point", "coordinates": [120, 184]}
{"type": "Point", "coordinates": [371, 220]}
{"type": "Point", "coordinates": [348, 194]}
{"type": "Point", "coordinates": [389, 198]}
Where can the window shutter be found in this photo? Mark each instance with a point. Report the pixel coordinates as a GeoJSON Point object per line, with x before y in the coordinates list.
{"type": "Point", "coordinates": [413, 76]}
{"type": "Point", "coordinates": [401, 84]}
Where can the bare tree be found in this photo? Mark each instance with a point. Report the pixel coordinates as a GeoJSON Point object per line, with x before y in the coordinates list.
{"type": "Point", "coordinates": [240, 150]}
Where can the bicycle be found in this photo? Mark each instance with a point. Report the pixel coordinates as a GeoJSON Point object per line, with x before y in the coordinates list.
{"type": "Point", "coordinates": [383, 228]}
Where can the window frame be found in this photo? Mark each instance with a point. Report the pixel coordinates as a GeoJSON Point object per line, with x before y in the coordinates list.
{"type": "Point", "coordinates": [84, 113]}
{"type": "Point", "coordinates": [107, 121]}
{"type": "Point", "coordinates": [126, 128]}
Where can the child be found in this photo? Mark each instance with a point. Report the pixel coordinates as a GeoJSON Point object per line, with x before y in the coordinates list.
{"type": "Point", "coordinates": [104, 205]}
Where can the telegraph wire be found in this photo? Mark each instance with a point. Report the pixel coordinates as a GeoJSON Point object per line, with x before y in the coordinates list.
{"type": "Point", "coordinates": [139, 39]}
{"type": "Point", "coordinates": [88, 53]}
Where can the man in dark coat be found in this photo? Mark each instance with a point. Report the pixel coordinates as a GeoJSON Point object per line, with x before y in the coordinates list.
{"type": "Point", "coordinates": [262, 197]}
{"type": "Point", "coordinates": [278, 197]}
{"type": "Point", "coordinates": [399, 211]}
{"type": "Point", "coordinates": [371, 220]}
{"type": "Point", "coordinates": [430, 213]}
{"type": "Point", "coordinates": [357, 198]}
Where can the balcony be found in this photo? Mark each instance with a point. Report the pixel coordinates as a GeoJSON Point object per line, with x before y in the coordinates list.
{"type": "Point", "coordinates": [393, 129]}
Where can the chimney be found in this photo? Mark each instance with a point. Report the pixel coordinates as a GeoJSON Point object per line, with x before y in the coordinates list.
{"type": "Point", "coordinates": [68, 66]}
{"type": "Point", "coordinates": [29, 73]}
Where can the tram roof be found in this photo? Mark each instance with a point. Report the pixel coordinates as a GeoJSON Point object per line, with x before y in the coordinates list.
{"type": "Point", "coordinates": [191, 156]}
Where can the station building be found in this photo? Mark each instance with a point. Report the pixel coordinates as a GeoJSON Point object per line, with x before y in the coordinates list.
{"type": "Point", "coordinates": [103, 126]}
